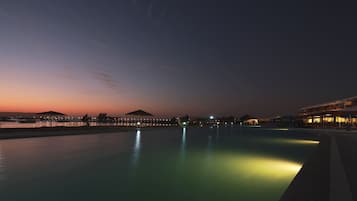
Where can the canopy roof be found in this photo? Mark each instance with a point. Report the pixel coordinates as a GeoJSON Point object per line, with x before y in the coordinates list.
{"type": "Point", "coordinates": [247, 117]}
{"type": "Point", "coordinates": [51, 113]}
{"type": "Point", "coordinates": [139, 113]}
{"type": "Point", "coordinates": [342, 101]}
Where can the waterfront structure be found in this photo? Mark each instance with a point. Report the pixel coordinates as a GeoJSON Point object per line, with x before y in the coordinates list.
{"type": "Point", "coordinates": [104, 118]}
{"type": "Point", "coordinates": [249, 120]}
{"type": "Point", "coordinates": [140, 118]}
{"type": "Point", "coordinates": [183, 121]}
{"type": "Point", "coordinates": [51, 116]}
{"type": "Point", "coordinates": [287, 121]}
{"type": "Point", "coordinates": [339, 113]}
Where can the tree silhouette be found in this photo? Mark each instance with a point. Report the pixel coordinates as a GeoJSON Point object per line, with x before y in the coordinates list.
{"type": "Point", "coordinates": [86, 119]}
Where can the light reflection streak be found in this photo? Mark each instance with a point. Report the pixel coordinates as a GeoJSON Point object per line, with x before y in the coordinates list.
{"type": "Point", "coordinates": [137, 144]}
{"type": "Point", "coordinates": [2, 168]}
{"type": "Point", "coordinates": [209, 148]}
{"type": "Point", "coordinates": [209, 145]}
{"type": "Point", "coordinates": [294, 141]}
{"type": "Point", "coordinates": [182, 149]}
{"type": "Point", "coordinates": [279, 129]}
{"type": "Point", "coordinates": [183, 142]}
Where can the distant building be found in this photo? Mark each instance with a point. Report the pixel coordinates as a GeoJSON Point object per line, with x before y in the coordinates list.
{"type": "Point", "coordinates": [140, 118]}
{"type": "Point", "coordinates": [51, 116]}
{"type": "Point", "coordinates": [183, 121]}
{"type": "Point", "coordinates": [287, 121]}
{"type": "Point", "coordinates": [339, 113]}
{"type": "Point", "coordinates": [249, 120]}
{"type": "Point", "coordinates": [104, 118]}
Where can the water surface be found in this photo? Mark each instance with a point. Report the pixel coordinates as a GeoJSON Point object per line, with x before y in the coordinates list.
{"type": "Point", "coordinates": [154, 164]}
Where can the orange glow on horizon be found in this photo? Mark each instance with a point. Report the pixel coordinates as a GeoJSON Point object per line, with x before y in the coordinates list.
{"type": "Point", "coordinates": [70, 105]}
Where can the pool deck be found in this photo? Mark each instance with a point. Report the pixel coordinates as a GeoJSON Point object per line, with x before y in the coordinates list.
{"type": "Point", "coordinates": [330, 173]}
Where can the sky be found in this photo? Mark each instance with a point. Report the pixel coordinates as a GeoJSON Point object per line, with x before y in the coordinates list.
{"type": "Point", "coordinates": [198, 57]}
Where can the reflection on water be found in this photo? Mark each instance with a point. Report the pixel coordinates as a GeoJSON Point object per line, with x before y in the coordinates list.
{"type": "Point", "coordinates": [209, 144]}
{"type": "Point", "coordinates": [293, 141]}
{"type": "Point", "coordinates": [136, 153]}
{"type": "Point", "coordinates": [40, 124]}
{"type": "Point", "coordinates": [152, 164]}
{"type": "Point", "coordinates": [183, 142]}
{"type": "Point", "coordinates": [279, 129]}
{"type": "Point", "coordinates": [260, 166]}
{"type": "Point", "coordinates": [182, 159]}
{"type": "Point", "coordinates": [2, 168]}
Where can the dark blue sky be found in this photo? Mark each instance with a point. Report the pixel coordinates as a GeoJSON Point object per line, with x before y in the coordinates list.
{"type": "Point", "coordinates": [175, 57]}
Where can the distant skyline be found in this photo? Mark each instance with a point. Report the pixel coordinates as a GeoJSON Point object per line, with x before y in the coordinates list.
{"type": "Point", "coordinates": [264, 58]}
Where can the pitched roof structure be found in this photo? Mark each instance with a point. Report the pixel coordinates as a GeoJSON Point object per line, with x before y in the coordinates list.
{"type": "Point", "coordinates": [139, 113]}
{"type": "Point", "coordinates": [51, 113]}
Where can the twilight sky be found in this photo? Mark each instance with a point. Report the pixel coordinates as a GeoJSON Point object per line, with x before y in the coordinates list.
{"type": "Point", "coordinates": [175, 57]}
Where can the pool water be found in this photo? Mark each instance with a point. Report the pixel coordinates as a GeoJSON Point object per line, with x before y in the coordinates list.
{"type": "Point", "coordinates": [227, 163]}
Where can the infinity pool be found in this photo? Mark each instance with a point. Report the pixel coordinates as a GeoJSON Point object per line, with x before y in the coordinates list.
{"type": "Point", "coordinates": [227, 163]}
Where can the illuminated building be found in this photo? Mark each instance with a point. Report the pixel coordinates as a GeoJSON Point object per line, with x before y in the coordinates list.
{"type": "Point", "coordinates": [340, 113]}
{"type": "Point", "coordinates": [140, 118]}
{"type": "Point", "coordinates": [51, 116]}
{"type": "Point", "coordinates": [249, 120]}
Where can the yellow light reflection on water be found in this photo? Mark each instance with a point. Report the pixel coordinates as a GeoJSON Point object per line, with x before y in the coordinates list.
{"type": "Point", "coordinates": [294, 141]}
{"type": "Point", "coordinates": [260, 166]}
{"type": "Point", "coordinates": [1, 166]}
{"type": "Point", "coordinates": [270, 167]}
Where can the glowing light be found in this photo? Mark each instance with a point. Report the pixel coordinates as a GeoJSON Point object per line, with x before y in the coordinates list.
{"type": "Point", "coordinates": [211, 117]}
{"type": "Point", "coordinates": [328, 119]}
{"type": "Point", "coordinates": [341, 120]}
{"type": "Point", "coordinates": [136, 153]}
{"type": "Point", "coordinates": [309, 120]}
{"type": "Point", "coordinates": [250, 167]}
{"type": "Point", "coordinates": [137, 140]}
{"type": "Point", "coordinates": [294, 141]}
{"type": "Point", "coordinates": [316, 119]}
{"type": "Point", "coordinates": [280, 129]}
{"type": "Point", "coordinates": [271, 167]}
{"type": "Point", "coordinates": [259, 166]}
{"type": "Point", "coordinates": [183, 144]}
